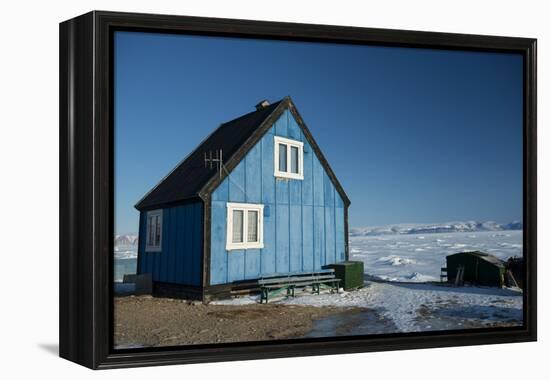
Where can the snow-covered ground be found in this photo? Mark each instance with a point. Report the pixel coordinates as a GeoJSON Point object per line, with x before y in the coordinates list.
{"type": "Point", "coordinates": [419, 257]}
{"type": "Point", "coordinates": [394, 297]}
{"type": "Point", "coordinates": [418, 307]}
{"type": "Point", "coordinates": [421, 307]}
{"type": "Point", "coordinates": [396, 267]}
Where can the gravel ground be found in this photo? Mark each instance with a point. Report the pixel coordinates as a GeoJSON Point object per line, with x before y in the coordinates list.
{"type": "Point", "coordinates": [146, 321]}
{"type": "Point", "coordinates": [378, 308]}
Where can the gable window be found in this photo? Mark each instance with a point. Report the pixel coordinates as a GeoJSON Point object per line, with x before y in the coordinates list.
{"type": "Point", "coordinates": [154, 231]}
{"type": "Point", "coordinates": [244, 226]}
{"type": "Point", "coordinates": [289, 158]}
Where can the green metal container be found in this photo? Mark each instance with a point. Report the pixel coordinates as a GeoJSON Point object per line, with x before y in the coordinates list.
{"type": "Point", "coordinates": [350, 273]}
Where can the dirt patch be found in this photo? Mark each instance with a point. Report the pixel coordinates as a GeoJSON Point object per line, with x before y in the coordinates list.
{"type": "Point", "coordinates": [148, 321]}
{"type": "Point", "coordinates": [359, 321]}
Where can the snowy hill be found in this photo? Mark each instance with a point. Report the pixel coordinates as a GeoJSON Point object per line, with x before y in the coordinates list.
{"type": "Point", "coordinates": [126, 240]}
{"type": "Point", "coordinates": [407, 229]}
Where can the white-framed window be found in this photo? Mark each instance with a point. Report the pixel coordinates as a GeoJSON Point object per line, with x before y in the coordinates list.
{"type": "Point", "coordinates": [289, 158]}
{"type": "Point", "coordinates": [154, 231]}
{"type": "Point", "coordinates": [245, 226]}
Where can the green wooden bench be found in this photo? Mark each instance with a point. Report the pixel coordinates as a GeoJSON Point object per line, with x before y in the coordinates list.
{"type": "Point", "coordinates": [271, 286]}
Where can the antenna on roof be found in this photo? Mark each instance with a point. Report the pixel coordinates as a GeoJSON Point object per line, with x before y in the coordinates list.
{"type": "Point", "coordinates": [216, 159]}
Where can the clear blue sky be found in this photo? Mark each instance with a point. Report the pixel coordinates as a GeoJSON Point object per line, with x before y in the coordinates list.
{"type": "Point", "coordinates": [414, 135]}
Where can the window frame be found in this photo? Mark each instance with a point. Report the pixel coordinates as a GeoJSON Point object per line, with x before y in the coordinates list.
{"type": "Point", "coordinates": [278, 140]}
{"type": "Point", "coordinates": [148, 246]}
{"type": "Point", "coordinates": [245, 207]}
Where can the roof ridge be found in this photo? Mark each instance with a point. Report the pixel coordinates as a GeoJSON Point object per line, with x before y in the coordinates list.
{"type": "Point", "coordinates": [203, 178]}
{"type": "Point", "coordinates": [274, 105]}
{"type": "Point", "coordinates": [178, 164]}
{"type": "Point", "coordinates": [191, 180]}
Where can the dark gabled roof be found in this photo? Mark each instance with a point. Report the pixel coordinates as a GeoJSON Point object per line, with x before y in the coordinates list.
{"type": "Point", "coordinates": [190, 179]}
{"type": "Point", "coordinates": [190, 175]}
{"type": "Point", "coordinates": [483, 256]}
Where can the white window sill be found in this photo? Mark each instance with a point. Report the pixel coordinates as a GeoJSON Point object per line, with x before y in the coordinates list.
{"type": "Point", "coordinates": [237, 246]}
{"type": "Point", "coordinates": [282, 175]}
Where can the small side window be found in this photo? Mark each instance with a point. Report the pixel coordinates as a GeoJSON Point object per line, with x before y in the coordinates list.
{"type": "Point", "coordinates": [154, 231]}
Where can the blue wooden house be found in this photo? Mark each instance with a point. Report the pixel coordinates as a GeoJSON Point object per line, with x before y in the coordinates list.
{"type": "Point", "coordinates": [271, 204]}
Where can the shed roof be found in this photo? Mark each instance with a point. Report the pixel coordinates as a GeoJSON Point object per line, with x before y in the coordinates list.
{"type": "Point", "coordinates": [484, 256]}
{"type": "Point", "coordinates": [191, 179]}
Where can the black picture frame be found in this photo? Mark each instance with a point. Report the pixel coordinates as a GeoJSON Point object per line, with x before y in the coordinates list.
{"type": "Point", "coordinates": [86, 189]}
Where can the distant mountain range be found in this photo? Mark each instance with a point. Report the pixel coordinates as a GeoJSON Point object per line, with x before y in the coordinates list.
{"type": "Point", "coordinates": [407, 229]}
{"type": "Point", "coordinates": [126, 240]}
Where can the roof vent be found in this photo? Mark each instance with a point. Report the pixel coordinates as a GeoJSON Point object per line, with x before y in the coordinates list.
{"type": "Point", "coordinates": [263, 104]}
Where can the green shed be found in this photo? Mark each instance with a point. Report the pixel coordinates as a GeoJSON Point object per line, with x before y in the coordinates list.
{"type": "Point", "coordinates": [479, 268]}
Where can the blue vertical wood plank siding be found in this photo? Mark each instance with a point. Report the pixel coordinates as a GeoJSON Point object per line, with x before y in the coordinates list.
{"type": "Point", "coordinates": [295, 253]}
{"type": "Point", "coordinates": [252, 263]}
{"type": "Point", "coordinates": [179, 260]}
{"type": "Point", "coordinates": [237, 183]}
{"type": "Point", "coordinates": [338, 201]}
{"type": "Point", "coordinates": [268, 252]}
{"type": "Point", "coordinates": [236, 265]}
{"type": "Point", "coordinates": [340, 234]}
{"type": "Point", "coordinates": [319, 236]}
{"type": "Point", "coordinates": [307, 238]}
{"type": "Point", "coordinates": [167, 254]}
{"type": "Point", "coordinates": [307, 183]}
{"type": "Point", "coordinates": [253, 175]}
{"type": "Point", "coordinates": [295, 192]}
{"type": "Point", "coordinates": [170, 270]}
{"type": "Point", "coordinates": [294, 130]}
{"type": "Point", "coordinates": [196, 258]}
{"type": "Point", "coordinates": [157, 262]}
{"type": "Point", "coordinates": [188, 243]}
{"type": "Point", "coordinates": [330, 248]}
{"type": "Point", "coordinates": [282, 191]}
{"type": "Point", "coordinates": [162, 258]}
{"type": "Point", "coordinates": [180, 241]}
{"type": "Point", "coordinates": [268, 170]}
{"type": "Point", "coordinates": [222, 192]}
{"type": "Point", "coordinates": [218, 254]}
{"type": "Point", "coordinates": [328, 191]}
{"type": "Point", "coordinates": [281, 125]}
{"type": "Point", "coordinates": [298, 214]}
{"type": "Point", "coordinates": [150, 257]}
{"type": "Point", "coordinates": [318, 175]}
{"type": "Point", "coordinates": [282, 234]}
{"type": "Point", "coordinates": [142, 261]}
